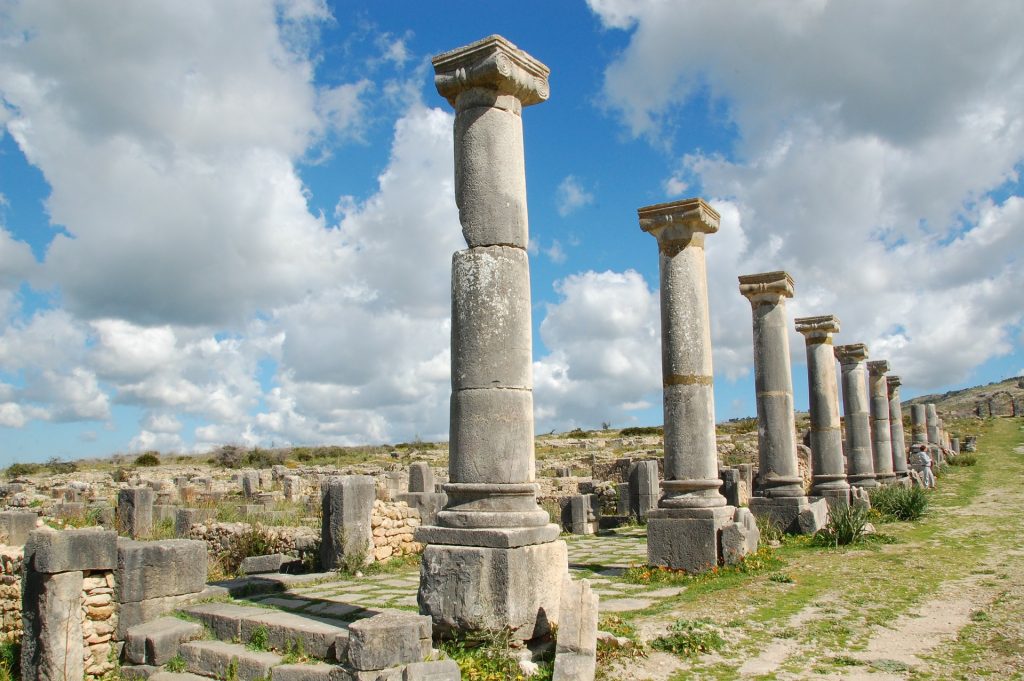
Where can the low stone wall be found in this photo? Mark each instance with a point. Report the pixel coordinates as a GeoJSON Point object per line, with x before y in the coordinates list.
{"type": "Point", "coordinates": [99, 621]}
{"type": "Point", "coordinates": [393, 526]}
{"type": "Point", "coordinates": [11, 566]}
{"type": "Point", "coordinates": [283, 539]}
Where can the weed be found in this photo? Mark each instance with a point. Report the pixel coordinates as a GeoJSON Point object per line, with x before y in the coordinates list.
{"type": "Point", "coordinates": [176, 665]}
{"type": "Point", "coordinates": [231, 673]}
{"type": "Point", "coordinates": [10, 660]}
{"type": "Point", "coordinates": [846, 525]}
{"type": "Point", "coordinates": [770, 531]}
{"type": "Point", "coordinates": [689, 638]}
{"type": "Point", "coordinates": [980, 616]}
{"type": "Point", "coordinates": [963, 460]}
{"type": "Point", "coordinates": [253, 542]}
{"type": "Point", "coordinates": [259, 639]}
{"type": "Point", "coordinates": [490, 659]}
{"type": "Point", "coordinates": [294, 652]}
{"type": "Point", "coordinates": [900, 503]}
{"type": "Point", "coordinates": [781, 578]}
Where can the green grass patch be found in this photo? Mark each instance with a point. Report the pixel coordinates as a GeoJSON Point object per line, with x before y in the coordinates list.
{"type": "Point", "coordinates": [689, 638]}
{"type": "Point", "coordinates": [897, 502]}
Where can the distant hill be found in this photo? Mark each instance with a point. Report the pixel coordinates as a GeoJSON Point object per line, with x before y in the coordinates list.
{"type": "Point", "coordinates": [965, 403]}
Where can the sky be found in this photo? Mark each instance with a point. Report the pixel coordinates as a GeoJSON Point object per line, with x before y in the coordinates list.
{"type": "Point", "coordinates": [233, 221]}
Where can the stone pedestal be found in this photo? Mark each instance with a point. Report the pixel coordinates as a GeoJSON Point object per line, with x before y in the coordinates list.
{"type": "Point", "coordinates": [346, 536]}
{"type": "Point", "coordinates": [421, 478]}
{"type": "Point", "coordinates": [643, 488]}
{"type": "Point", "coordinates": [860, 465]}
{"type": "Point", "coordinates": [795, 515]}
{"type": "Point", "coordinates": [829, 473]}
{"type": "Point", "coordinates": [135, 512]}
{"type": "Point", "coordinates": [685, 531]}
{"type": "Point", "coordinates": [881, 438]}
{"type": "Point", "coordinates": [494, 561]}
{"type": "Point", "coordinates": [899, 444]}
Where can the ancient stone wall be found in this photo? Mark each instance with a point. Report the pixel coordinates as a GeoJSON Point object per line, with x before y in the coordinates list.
{"type": "Point", "coordinates": [393, 525]}
{"type": "Point", "coordinates": [11, 567]}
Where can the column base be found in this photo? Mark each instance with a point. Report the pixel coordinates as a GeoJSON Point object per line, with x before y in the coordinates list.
{"type": "Point", "coordinates": [886, 479]}
{"type": "Point", "coordinates": [483, 589]}
{"type": "Point", "coordinates": [491, 537]}
{"type": "Point", "coordinates": [793, 515]}
{"type": "Point", "coordinates": [835, 498]}
{"type": "Point", "coordinates": [865, 482]}
{"type": "Point", "coordinates": [692, 539]}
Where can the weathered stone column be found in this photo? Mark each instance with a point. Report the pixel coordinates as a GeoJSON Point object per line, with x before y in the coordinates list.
{"type": "Point", "coordinates": [829, 474]}
{"type": "Point", "coordinates": [881, 438]}
{"type": "Point", "coordinates": [899, 444]}
{"type": "Point", "coordinates": [781, 496]}
{"type": "Point", "coordinates": [860, 467]}
{"type": "Point", "coordinates": [932, 422]}
{"type": "Point", "coordinates": [918, 424]}
{"type": "Point", "coordinates": [684, 531]}
{"type": "Point", "coordinates": [492, 525]}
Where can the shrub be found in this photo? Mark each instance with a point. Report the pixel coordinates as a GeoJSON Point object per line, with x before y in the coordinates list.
{"type": "Point", "coordinates": [963, 460]}
{"type": "Point", "coordinates": [228, 456]}
{"type": "Point", "coordinates": [58, 466]}
{"type": "Point", "coordinates": [900, 503]}
{"type": "Point", "coordinates": [642, 430]}
{"type": "Point", "coordinates": [148, 459]}
{"type": "Point", "coordinates": [253, 542]}
{"type": "Point", "coordinates": [10, 660]}
{"type": "Point", "coordinates": [688, 638]}
{"type": "Point", "coordinates": [770, 531]}
{"type": "Point", "coordinates": [846, 525]}
{"type": "Point", "coordinates": [17, 470]}
{"type": "Point", "coordinates": [259, 639]}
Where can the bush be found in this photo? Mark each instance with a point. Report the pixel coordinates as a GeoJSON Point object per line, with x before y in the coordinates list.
{"type": "Point", "coordinates": [900, 503]}
{"type": "Point", "coordinates": [17, 470]}
{"type": "Point", "coordinates": [10, 661]}
{"type": "Point", "coordinates": [846, 525]}
{"type": "Point", "coordinates": [688, 638]}
{"type": "Point", "coordinates": [253, 542]}
{"type": "Point", "coordinates": [963, 460]}
{"type": "Point", "coordinates": [642, 430]}
{"type": "Point", "coordinates": [57, 466]}
{"type": "Point", "coordinates": [228, 456]}
{"type": "Point", "coordinates": [148, 459]}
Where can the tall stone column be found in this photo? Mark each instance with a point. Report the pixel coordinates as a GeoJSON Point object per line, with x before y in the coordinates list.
{"type": "Point", "coordinates": [881, 438]}
{"type": "Point", "coordinates": [918, 424]}
{"type": "Point", "coordinates": [899, 444]}
{"type": "Point", "coordinates": [823, 394]}
{"type": "Point", "coordinates": [860, 467]}
{"type": "Point", "coordinates": [781, 495]}
{"type": "Point", "coordinates": [932, 422]}
{"type": "Point", "coordinates": [493, 560]}
{"type": "Point", "coordinates": [684, 532]}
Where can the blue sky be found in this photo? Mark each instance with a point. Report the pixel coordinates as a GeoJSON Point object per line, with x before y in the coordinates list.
{"type": "Point", "coordinates": [232, 222]}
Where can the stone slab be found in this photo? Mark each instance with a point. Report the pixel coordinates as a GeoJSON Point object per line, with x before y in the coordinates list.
{"type": "Point", "coordinates": [156, 569]}
{"type": "Point", "coordinates": [212, 658]}
{"type": "Point", "coordinates": [435, 670]}
{"type": "Point", "coordinates": [309, 672]}
{"type": "Point", "coordinates": [501, 538]}
{"type": "Point", "coordinates": [224, 620]}
{"type": "Point", "coordinates": [387, 640]}
{"type": "Point", "coordinates": [52, 647]}
{"type": "Point", "coordinates": [270, 563]}
{"type": "Point", "coordinates": [155, 642]}
{"type": "Point", "coordinates": [71, 550]}
{"type": "Point", "coordinates": [576, 643]}
{"type": "Point", "coordinates": [319, 637]}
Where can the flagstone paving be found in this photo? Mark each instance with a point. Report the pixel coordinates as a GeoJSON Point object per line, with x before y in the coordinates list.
{"type": "Point", "coordinates": [602, 559]}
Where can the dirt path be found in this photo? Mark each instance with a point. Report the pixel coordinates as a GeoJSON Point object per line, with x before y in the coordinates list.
{"type": "Point", "coordinates": [945, 602]}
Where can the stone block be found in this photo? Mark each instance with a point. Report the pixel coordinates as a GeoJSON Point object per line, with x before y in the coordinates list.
{"type": "Point", "coordinates": [496, 421]}
{"type": "Point", "coordinates": [155, 642]}
{"type": "Point", "coordinates": [346, 533]}
{"type": "Point", "coordinates": [584, 514]}
{"type": "Point", "coordinates": [214, 657]}
{"type": "Point", "coordinates": [224, 620]}
{"type": "Point", "coordinates": [500, 538]}
{"type": "Point", "coordinates": [421, 478]}
{"type": "Point", "coordinates": [15, 527]}
{"type": "Point", "coordinates": [185, 518]}
{"type": "Point", "coordinates": [250, 481]}
{"type": "Point", "coordinates": [309, 672]}
{"type": "Point", "coordinates": [172, 567]}
{"type": "Point", "coordinates": [386, 640]}
{"type": "Point", "coordinates": [52, 648]}
{"type": "Point", "coordinates": [468, 588]}
{"type": "Point", "coordinates": [71, 550]}
{"type": "Point", "coordinates": [622, 504]}
{"type": "Point", "coordinates": [491, 338]}
{"type": "Point", "coordinates": [163, 513]}
{"type": "Point", "coordinates": [435, 670]}
{"type": "Point", "coordinates": [258, 565]}
{"type": "Point", "coordinates": [814, 517]}
{"type": "Point", "coordinates": [69, 509]}
{"type": "Point", "coordinates": [576, 643]}
{"type": "Point", "coordinates": [794, 515]}
{"type": "Point", "coordinates": [322, 638]}
{"type": "Point", "coordinates": [686, 541]}
{"type": "Point", "coordinates": [138, 672]}
{"type": "Point", "coordinates": [135, 512]}
{"type": "Point", "coordinates": [133, 613]}
{"type": "Point", "coordinates": [428, 504]}
{"type": "Point", "coordinates": [730, 485]}
{"type": "Point", "coordinates": [644, 489]}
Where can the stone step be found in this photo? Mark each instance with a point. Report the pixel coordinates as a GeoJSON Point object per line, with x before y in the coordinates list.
{"type": "Point", "coordinates": [320, 637]}
{"type": "Point", "coordinates": [177, 676]}
{"type": "Point", "coordinates": [155, 642]}
{"type": "Point", "coordinates": [214, 658]}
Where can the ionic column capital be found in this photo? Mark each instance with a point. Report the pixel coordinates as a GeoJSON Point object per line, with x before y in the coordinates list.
{"type": "Point", "coordinates": [819, 329]}
{"type": "Point", "coordinates": [679, 224]}
{"type": "Point", "coordinates": [878, 367]}
{"type": "Point", "coordinates": [766, 287]}
{"type": "Point", "coordinates": [893, 382]}
{"type": "Point", "coordinates": [852, 353]}
{"type": "Point", "coordinates": [493, 64]}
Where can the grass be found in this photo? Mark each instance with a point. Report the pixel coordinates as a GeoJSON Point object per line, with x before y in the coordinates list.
{"type": "Point", "coordinates": [897, 502]}
{"type": "Point", "coordinates": [687, 638]}
{"type": "Point", "coordinates": [490, 659]}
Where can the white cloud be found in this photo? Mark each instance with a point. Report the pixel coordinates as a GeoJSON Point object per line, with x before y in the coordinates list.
{"type": "Point", "coordinates": [555, 252]}
{"type": "Point", "coordinates": [864, 171]}
{"type": "Point", "coordinates": [571, 195]}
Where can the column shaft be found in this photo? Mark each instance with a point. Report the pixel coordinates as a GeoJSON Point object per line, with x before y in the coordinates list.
{"type": "Point", "coordinates": [823, 395]}
{"type": "Point", "coordinates": [932, 422]}
{"type": "Point", "coordinates": [779, 473]}
{"type": "Point", "coordinates": [899, 444]}
{"type": "Point", "coordinates": [856, 407]}
{"type": "Point", "coordinates": [918, 424]}
{"type": "Point", "coordinates": [881, 438]}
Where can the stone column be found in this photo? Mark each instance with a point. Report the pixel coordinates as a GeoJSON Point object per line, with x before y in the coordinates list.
{"type": "Point", "coordinates": [881, 438]}
{"type": "Point", "coordinates": [918, 424]}
{"type": "Point", "coordinates": [684, 531]}
{"type": "Point", "coordinates": [823, 394]}
{"type": "Point", "coordinates": [932, 422]}
{"type": "Point", "coordinates": [860, 467]}
{"type": "Point", "coordinates": [492, 524]}
{"type": "Point", "coordinates": [346, 537]}
{"type": "Point", "coordinates": [781, 496]}
{"type": "Point", "coordinates": [135, 511]}
{"type": "Point", "coordinates": [955, 445]}
{"type": "Point", "coordinates": [899, 444]}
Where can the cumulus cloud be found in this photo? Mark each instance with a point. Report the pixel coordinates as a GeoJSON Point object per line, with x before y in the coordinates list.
{"type": "Point", "coordinates": [571, 195]}
{"type": "Point", "coordinates": [874, 172]}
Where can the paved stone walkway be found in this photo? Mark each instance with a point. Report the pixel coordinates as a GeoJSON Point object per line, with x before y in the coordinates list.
{"type": "Point", "coordinates": [601, 559]}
